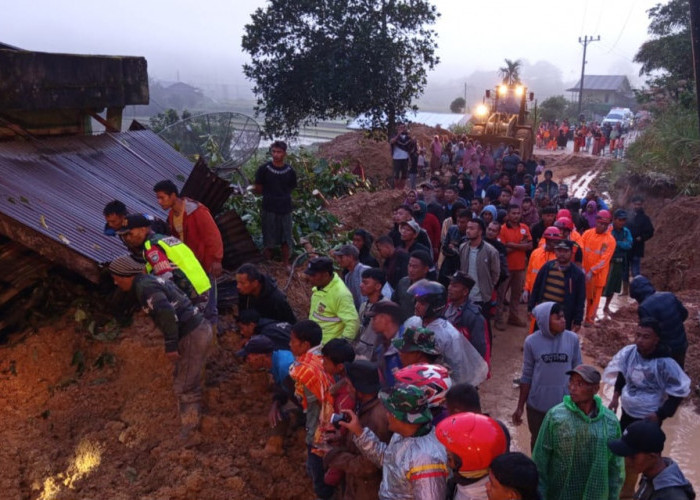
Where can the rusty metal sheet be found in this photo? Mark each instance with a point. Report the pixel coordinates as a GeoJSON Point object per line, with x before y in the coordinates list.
{"type": "Point", "coordinates": [239, 247]}
{"type": "Point", "coordinates": [206, 187]}
{"type": "Point", "coordinates": [52, 191]}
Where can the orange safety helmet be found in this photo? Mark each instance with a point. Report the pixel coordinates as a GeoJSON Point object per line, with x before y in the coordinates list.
{"type": "Point", "coordinates": [476, 439]}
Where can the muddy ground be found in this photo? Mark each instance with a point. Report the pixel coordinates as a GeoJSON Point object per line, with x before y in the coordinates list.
{"type": "Point", "coordinates": [83, 418]}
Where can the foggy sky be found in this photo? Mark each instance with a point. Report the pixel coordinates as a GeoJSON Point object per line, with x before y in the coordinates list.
{"type": "Point", "coordinates": [199, 42]}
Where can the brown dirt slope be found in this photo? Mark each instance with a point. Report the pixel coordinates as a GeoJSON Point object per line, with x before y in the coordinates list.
{"type": "Point", "coordinates": [115, 429]}
{"type": "Point", "coordinates": [374, 156]}
{"type": "Point", "coordinates": [671, 260]}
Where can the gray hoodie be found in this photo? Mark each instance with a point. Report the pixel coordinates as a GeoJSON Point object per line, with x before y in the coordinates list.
{"type": "Point", "coordinates": [546, 359]}
{"type": "Point", "coordinates": [669, 484]}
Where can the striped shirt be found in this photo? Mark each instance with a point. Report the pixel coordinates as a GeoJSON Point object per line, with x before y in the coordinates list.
{"type": "Point", "coordinates": [554, 286]}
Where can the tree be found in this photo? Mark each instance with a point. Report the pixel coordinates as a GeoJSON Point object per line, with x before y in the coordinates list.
{"type": "Point", "coordinates": [326, 59]}
{"type": "Point", "coordinates": [163, 120]}
{"type": "Point", "coordinates": [510, 72]}
{"type": "Point", "coordinates": [458, 105]}
{"type": "Point", "coordinates": [553, 108]}
{"type": "Point", "coordinates": [667, 58]}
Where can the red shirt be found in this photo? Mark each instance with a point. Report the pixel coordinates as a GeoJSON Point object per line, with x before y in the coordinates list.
{"type": "Point", "coordinates": [517, 259]}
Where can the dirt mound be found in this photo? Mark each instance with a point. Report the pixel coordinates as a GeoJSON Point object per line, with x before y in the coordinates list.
{"type": "Point", "coordinates": [370, 211]}
{"type": "Point", "coordinates": [670, 260]}
{"type": "Point", "coordinates": [373, 155]}
{"type": "Point", "coordinates": [82, 417]}
{"type": "Point", "coordinates": [613, 333]}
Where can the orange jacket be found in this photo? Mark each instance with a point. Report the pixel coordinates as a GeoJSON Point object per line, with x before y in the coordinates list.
{"type": "Point", "coordinates": [538, 258]}
{"type": "Point", "coordinates": [598, 249]}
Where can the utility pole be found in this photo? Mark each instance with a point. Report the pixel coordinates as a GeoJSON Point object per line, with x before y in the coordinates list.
{"type": "Point", "coordinates": [586, 40]}
{"type": "Point", "coordinates": [695, 38]}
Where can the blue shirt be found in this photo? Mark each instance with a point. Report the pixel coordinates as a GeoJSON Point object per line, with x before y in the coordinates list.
{"type": "Point", "coordinates": [281, 361]}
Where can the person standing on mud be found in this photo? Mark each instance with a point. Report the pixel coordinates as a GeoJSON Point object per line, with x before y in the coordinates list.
{"type": "Point", "coordinates": [275, 181]}
{"type": "Point", "coordinates": [518, 241]}
{"type": "Point", "coordinates": [642, 231]}
{"type": "Point", "coordinates": [618, 264]}
{"type": "Point", "coordinates": [598, 247]}
{"type": "Point", "coordinates": [402, 147]}
{"type": "Point", "coordinates": [187, 335]}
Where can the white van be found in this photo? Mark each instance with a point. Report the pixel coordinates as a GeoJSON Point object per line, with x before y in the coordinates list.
{"type": "Point", "coordinates": [622, 116]}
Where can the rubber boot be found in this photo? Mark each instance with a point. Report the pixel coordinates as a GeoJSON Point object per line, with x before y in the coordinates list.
{"type": "Point", "coordinates": [273, 447]}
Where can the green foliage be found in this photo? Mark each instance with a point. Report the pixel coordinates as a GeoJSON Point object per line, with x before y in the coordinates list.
{"type": "Point", "coordinates": [552, 108]}
{"type": "Point", "coordinates": [162, 120]}
{"type": "Point", "coordinates": [461, 129]}
{"type": "Point", "coordinates": [668, 150]}
{"type": "Point", "coordinates": [511, 71]}
{"type": "Point", "coordinates": [667, 58]}
{"type": "Point", "coordinates": [458, 105]}
{"type": "Point", "coordinates": [310, 220]}
{"type": "Point", "coordinates": [327, 59]}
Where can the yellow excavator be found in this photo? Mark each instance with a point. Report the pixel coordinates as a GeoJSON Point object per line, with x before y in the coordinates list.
{"type": "Point", "coordinates": [503, 118]}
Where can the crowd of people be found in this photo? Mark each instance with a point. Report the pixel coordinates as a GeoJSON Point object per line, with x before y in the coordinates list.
{"type": "Point", "coordinates": [384, 368]}
{"type": "Point", "coordinates": [594, 138]}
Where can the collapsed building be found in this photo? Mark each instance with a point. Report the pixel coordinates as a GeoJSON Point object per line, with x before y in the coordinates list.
{"type": "Point", "coordinates": [57, 172]}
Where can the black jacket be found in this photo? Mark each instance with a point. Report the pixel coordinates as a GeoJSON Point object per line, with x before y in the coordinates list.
{"type": "Point", "coordinates": [271, 303]}
{"type": "Point", "coordinates": [574, 293]}
{"type": "Point", "coordinates": [640, 226]}
{"type": "Point", "coordinates": [665, 308]}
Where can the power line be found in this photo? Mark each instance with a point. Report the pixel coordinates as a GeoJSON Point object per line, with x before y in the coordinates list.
{"type": "Point", "coordinates": [624, 25]}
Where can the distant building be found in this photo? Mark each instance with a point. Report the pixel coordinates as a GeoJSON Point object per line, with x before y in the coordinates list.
{"type": "Point", "coordinates": [611, 90]}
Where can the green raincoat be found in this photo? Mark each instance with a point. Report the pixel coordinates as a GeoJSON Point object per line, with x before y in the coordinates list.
{"type": "Point", "coordinates": [572, 454]}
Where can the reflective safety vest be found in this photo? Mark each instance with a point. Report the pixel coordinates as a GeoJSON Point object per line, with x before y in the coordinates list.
{"type": "Point", "coordinates": [179, 255]}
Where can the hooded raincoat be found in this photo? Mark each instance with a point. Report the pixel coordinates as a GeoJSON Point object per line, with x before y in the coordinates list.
{"type": "Point", "coordinates": [572, 455]}
{"type": "Point", "coordinates": [459, 355]}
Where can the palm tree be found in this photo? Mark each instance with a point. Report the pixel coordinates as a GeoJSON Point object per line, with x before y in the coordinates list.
{"type": "Point", "coordinates": [510, 72]}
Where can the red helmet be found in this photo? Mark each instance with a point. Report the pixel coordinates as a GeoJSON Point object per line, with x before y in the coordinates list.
{"type": "Point", "coordinates": [552, 233]}
{"type": "Point", "coordinates": [564, 212]}
{"type": "Point", "coordinates": [564, 223]}
{"type": "Point", "coordinates": [433, 379]}
{"type": "Point", "coordinates": [475, 439]}
{"type": "Point", "coordinates": [604, 215]}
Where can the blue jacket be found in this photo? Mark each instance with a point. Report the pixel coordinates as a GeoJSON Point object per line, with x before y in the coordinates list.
{"type": "Point", "coordinates": [665, 308]}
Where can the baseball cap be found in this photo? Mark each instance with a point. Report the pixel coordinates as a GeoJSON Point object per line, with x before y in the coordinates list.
{"type": "Point", "coordinates": [587, 372]}
{"type": "Point", "coordinates": [642, 436]}
{"type": "Point", "coordinates": [258, 344]}
{"type": "Point", "coordinates": [416, 340]}
{"type": "Point", "coordinates": [413, 225]}
{"type": "Point", "coordinates": [620, 214]}
{"type": "Point", "coordinates": [347, 250]}
{"type": "Point", "coordinates": [134, 221]}
{"type": "Point", "coordinates": [565, 244]}
{"type": "Point", "coordinates": [319, 265]}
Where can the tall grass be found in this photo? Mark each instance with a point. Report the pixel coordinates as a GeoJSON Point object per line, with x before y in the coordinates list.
{"type": "Point", "coordinates": [669, 147]}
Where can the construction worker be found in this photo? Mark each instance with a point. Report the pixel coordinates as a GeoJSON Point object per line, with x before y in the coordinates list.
{"type": "Point", "coordinates": [598, 248]}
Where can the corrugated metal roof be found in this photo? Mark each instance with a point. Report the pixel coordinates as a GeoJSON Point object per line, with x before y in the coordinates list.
{"type": "Point", "coordinates": [239, 247]}
{"type": "Point", "coordinates": [57, 188]}
{"type": "Point", "coordinates": [206, 187]}
{"type": "Point", "coordinates": [602, 82]}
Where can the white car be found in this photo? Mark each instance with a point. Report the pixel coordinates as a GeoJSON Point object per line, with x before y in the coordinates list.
{"type": "Point", "coordinates": [621, 116]}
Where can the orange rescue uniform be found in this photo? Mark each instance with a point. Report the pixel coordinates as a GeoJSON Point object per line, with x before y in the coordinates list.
{"type": "Point", "coordinates": [598, 249]}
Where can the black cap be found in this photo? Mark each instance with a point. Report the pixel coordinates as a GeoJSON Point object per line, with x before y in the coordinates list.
{"type": "Point", "coordinates": [258, 344]}
{"type": "Point", "coordinates": [642, 436]}
{"type": "Point", "coordinates": [319, 265]}
{"type": "Point", "coordinates": [567, 244]}
{"type": "Point", "coordinates": [463, 279]}
{"type": "Point", "coordinates": [620, 214]}
{"type": "Point", "coordinates": [133, 221]}
{"type": "Point", "coordinates": [364, 376]}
